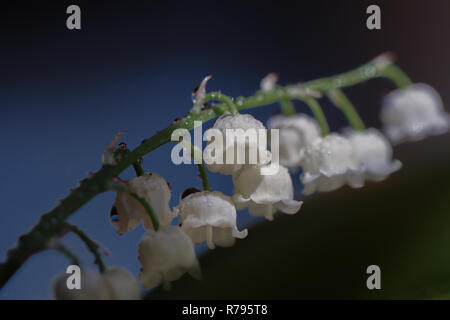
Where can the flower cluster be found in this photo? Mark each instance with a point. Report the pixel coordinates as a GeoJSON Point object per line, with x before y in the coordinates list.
{"type": "Point", "coordinates": [355, 156]}
{"type": "Point", "coordinates": [327, 162]}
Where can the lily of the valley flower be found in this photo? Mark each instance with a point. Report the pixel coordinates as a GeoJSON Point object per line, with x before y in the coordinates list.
{"type": "Point", "coordinates": [414, 113]}
{"type": "Point", "coordinates": [374, 153]}
{"type": "Point", "coordinates": [127, 212]}
{"type": "Point", "coordinates": [265, 194]}
{"type": "Point", "coordinates": [244, 122]}
{"type": "Point", "coordinates": [296, 132]}
{"type": "Point", "coordinates": [114, 283]}
{"type": "Point", "coordinates": [165, 256]}
{"type": "Point", "coordinates": [209, 217]}
{"type": "Point", "coordinates": [329, 163]}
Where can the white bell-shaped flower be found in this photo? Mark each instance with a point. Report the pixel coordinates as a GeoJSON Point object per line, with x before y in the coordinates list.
{"type": "Point", "coordinates": [414, 113]}
{"type": "Point", "coordinates": [265, 194]}
{"type": "Point", "coordinates": [165, 255]}
{"type": "Point", "coordinates": [209, 216]}
{"type": "Point", "coordinates": [114, 283]}
{"type": "Point", "coordinates": [296, 132]}
{"type": "Point", "coordinates": [127, 212]}
{"type": "Point", "coordinates": [374, 153]}
{"type": "Point", "coordinates": [329, 163]}
{"type": "Point", "coordinates": [247, 140]}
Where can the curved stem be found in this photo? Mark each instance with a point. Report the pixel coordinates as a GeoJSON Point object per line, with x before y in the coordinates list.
{"type": "Point", "coordinates": [136, 165]}
{"type": "Point", "coordinates": [287, 107]}
{"type": "Point", "coordinates": [138, 169]}
{"type": "Point", "coordinates": [149, 209]}
{"type": "Point", "coordinates": [203, 176]}
{"type": "Point", "coordinates": [65, 251]}
{"type": "Point", "coordinates": [342, 102]}
{"type": "Point", "coordinates": [318, 114]}
{"type": "Point", "coordinates": [200, 166]}
{"type": "Point", "coordinates": [52, 222]}
{"type": "Point", "coordinates": [221, 97]}
{"type": "Point", "coordinates": [397, 75]}
{"type": "Point", "coordinates": [90, 244]}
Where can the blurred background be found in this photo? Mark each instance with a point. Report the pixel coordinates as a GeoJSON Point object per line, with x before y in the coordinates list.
{"type": "Point", "coordinates": [133, 66]}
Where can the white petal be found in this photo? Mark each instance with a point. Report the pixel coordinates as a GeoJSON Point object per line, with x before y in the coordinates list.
{"type": "Point", "coordinates": [239, 121]}
{"type": "Point", "coordinates": [92, 288]}
{"type": "Point", "coordinates": [413, 113]}
{"type": "Point", "coordinates": [268, 82]}
{"type": "Point", "coordinates": [329, 163]}
{"type": "Point", "coordinates": [240, 202]}
{"type": "Point", "coordinates": [289, 206]}
{"type": "Point", "coordinates": [155, 190]}
{"type": "Point", "coordinates": [296, 132]}
{"type": "Point", "coordinates": [374, 153]}
{"type": "Point", "coordinates": [209, 236]}
{"type": "Point", "coordinates": [264, 194]}
{"type": "Point", "coordinates": [204, 210]}
{"type": "Point", "coordinates": [165, 256]}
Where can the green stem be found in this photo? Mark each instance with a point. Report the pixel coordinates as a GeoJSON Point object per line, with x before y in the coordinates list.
{"type": "Point", "coordinates": [138, 169]}
{"type": "Point", "coordinates": [52, 222]}
{"type": "Point", "coordinates": [287, 107]}
{"type": "Point", "coordinates": [90, 244]}
{"type": "Point", "coordinates": [341, 101]}
{"type": "Point", "coordinates": [136, 165]}
{"type": "Point", "coordinates": [221, 97]}
{"type": "Point", "coordinates": [149, 209]}
{"type": "Point", "coordinates": [397, 75]}
{"type": "Point", "coordinates": [318, 114]}
{"type": "Point", "coordinates": [201, 169]}
{"type": "Point", "coordinates": [204, 176]}
{"type": "Point", "coordinates": [65, 251]}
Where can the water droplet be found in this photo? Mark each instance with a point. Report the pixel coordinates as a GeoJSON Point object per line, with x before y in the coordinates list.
{"type": "Point", "coordinates": [114, 217]}
{"type": "Point", "coordinates": [194, 93]}
{"type": "Point", "coordinates": [188, 192]}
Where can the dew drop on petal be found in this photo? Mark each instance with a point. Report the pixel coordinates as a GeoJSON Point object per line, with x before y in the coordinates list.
{"type": "Point", "coordinates": [188, 192]}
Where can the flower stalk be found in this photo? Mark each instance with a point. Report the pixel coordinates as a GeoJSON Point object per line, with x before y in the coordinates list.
{"type": "Point", "coordinates": [397, 75]}
{"type": "Point", "coordinates": [149, 209]}
{"type": "Point", "coordinates": [287, 107]}
{"type": "Point", "coordinates": [318, 114]}
{"type": "Point", "coordinates": [204, 177]}
{"type": "Point", "coordinates": [53, 222]}
{"type": "Point", "coordinates": [66, 252]}
{"type": "Point", "coordinates": [90, 244]}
